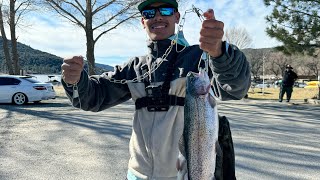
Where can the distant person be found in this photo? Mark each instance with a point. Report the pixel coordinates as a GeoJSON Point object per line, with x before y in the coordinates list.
{"type": "Point", "coordinates": [289, 77]}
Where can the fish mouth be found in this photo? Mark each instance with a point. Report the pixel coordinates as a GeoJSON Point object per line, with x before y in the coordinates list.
{"type": "Point", "coordinates": [198, 83]}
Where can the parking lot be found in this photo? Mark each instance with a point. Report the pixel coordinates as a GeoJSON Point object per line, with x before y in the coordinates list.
{"type": "Point", "coordinates": [53, 140]}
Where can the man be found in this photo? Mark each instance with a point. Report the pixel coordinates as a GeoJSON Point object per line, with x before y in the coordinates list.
{"type": "Point", "coordinates": [158, 122]}
{"type": "Point", "coordinates": [288, 79]}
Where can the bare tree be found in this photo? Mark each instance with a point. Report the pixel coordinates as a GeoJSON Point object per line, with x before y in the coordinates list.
{"type": "Point", "coordinates": [96, 18]}
{"type": "Point", "coordinates": [277, 62]}
{"type": "Point", "coordinates": [255, 57]}
{"type": "Point", "coordinates": [239, 37]}
{"type": "Point", "coordinates": [313, 65]}
{"type": "Point", "coordinates": [15, 12]}
{"type": "Point", "coordinates": [183, 4]}
{"type": "Point", "coordinates": [5, 43]}
{"type": "Point", "coordinates": [305, 71]}
{"type": "Point", "coordinates": [303, 65]}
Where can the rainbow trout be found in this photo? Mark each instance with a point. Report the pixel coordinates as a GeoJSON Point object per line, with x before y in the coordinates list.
{"type": "Point", "coordinates": [200, 134]}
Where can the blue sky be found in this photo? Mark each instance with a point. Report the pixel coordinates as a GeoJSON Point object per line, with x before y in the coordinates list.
{"type": "Point", "coordinates": [56, 36]}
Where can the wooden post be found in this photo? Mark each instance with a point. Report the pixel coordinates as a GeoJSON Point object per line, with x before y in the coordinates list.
{"type": "Point", "coordinates": [318, 87]}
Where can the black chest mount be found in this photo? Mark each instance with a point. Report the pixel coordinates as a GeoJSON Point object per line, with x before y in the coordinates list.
{"type": "Point", "coordinates": [158, 98]}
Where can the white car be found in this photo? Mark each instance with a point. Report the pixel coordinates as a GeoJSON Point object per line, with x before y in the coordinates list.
{"type": "Point", "coordinates": [23, 89]}
{"type": "Point", "coordinates": [261, 86]}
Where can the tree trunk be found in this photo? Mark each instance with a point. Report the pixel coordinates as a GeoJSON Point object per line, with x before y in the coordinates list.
{"type": "Point", "coordinates": [14, 51]}
{"type": "Point", "coordinates": [101, 18]}
{"type": "Point", "coordinates": [5, 45]}
{"type": "Point", "coordinates": [90, 40]}
{"type": "Point", "coordinates": [90, 53]}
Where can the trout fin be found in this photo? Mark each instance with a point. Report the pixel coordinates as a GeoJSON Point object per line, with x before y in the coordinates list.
{"type": "Point", "coordinates": [212, 101]}
{"type": "Point", "coordinates": [181, 167]}
{"type": "Point", "coordinates": [182, 147]}
{"type": "Point", "coordinates": [212, 98]}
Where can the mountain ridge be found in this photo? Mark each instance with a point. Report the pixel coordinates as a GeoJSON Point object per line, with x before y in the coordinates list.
{"type": "Point", "coordinates": [36, 61]}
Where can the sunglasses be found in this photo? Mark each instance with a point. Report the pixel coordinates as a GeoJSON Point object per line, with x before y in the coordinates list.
{"type": "Point", "coordinates": [150, 12]}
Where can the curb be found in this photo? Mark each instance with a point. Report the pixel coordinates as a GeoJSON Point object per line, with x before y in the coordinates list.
{"type": "Point", "coordinates": [313, 101]}
{"type": "Point", "coordinates": [294, 102]}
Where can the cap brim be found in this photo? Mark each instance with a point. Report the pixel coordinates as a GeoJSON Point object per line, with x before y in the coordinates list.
{"type": "Point", "coordinates": [149, 2]}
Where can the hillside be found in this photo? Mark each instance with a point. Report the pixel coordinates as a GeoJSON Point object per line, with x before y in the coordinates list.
{"type": "Point", "coordinates": [248, 51]}
{"type": "Point", "coordinates": [39, 62]}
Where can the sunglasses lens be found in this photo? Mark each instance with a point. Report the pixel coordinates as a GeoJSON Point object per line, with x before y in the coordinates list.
{"type": "Point", "coordinates": [166, 11]}
{"type": "Point", "coordinates": [149, 13]}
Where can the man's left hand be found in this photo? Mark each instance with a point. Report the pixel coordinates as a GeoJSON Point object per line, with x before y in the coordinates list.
{"type": "Point", "coordinates": [211, 34]}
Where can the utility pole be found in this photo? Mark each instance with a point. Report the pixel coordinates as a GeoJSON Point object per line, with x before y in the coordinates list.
{"type": "Point", "coordinates": [263, 86]}
{"type": "Point", "coordinates": [318, 86]}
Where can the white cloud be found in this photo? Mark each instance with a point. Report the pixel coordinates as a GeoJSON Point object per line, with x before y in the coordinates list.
{"type": "Point", "coordinates": [63, 39]}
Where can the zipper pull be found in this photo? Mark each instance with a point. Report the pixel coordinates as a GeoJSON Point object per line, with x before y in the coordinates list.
{"type": "Point", "coordinates": [75, 91]}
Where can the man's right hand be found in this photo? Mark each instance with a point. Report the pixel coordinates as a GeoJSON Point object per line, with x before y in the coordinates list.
{"type": "Point", "coordinates": [71, 69]}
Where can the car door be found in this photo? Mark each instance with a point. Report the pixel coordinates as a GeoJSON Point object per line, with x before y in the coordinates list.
{"type": "Point", "coordinates": [8, 87]}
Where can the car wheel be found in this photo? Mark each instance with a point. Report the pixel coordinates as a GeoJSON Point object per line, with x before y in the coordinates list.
{"type": "Point", "coordinates": [19, 98]}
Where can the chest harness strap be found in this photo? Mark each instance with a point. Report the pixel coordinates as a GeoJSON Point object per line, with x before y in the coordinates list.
{"type": "Point", "coordinates": [158, 98]}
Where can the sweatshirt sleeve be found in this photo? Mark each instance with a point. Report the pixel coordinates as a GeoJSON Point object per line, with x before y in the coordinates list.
{"type": "Point", "coordinates": [97, 92]}
{"type": "Point", "coordinates": [231, 74]}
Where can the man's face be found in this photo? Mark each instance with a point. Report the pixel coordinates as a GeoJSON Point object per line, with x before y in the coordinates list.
{"type": "Point", "coordinates": [160, 27]}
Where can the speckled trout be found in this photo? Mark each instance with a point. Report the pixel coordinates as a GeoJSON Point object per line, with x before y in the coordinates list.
{"type": "Point", "coordinates": [200, 134]}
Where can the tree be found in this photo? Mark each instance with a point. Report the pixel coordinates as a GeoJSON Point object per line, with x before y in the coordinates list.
{"type": "Point", "coordinates": [96, 18]}
{"type": "Point", "coordinates": [5, 43]}
{"type": "Point", "coordinates": [255, 57]}
{"type": "Point", "coordinates": [17, 8]}
{"type": "Point", "coordinates": [239, 37]}
{"type": "Point", "coordinates": [295, 23]}
{"type": "Point", "coordinates": [313, 65]}
{"type": "Point", "coordinates": [277, 62]}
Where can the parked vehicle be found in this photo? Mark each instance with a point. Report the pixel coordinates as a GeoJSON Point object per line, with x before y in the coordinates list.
{"type": "Point", "coordinates": [300, 84]}
{"type": "Point", "coordinates": [262, 86]}
{"type": "Point", "coordinates": [23, 89]}
{"type": "Point", "coordinates": [312, 84]}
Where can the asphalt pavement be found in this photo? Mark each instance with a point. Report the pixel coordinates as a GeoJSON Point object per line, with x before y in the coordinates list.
{"type": "Point", "coordinates": [275, 140]}
{"type": "Point", "coordinates": [53, 140]}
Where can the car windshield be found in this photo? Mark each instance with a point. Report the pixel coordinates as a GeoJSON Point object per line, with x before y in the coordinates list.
{"type": "Point", "coordinates": [30, 79]}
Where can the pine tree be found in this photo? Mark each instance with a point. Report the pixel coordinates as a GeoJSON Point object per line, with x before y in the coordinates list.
{"type": "Point", "coordinates": [295, 23]}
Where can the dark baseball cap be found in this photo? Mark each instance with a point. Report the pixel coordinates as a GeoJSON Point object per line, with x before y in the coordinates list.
{"type": "Point", "coordinates": [146, 3]}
